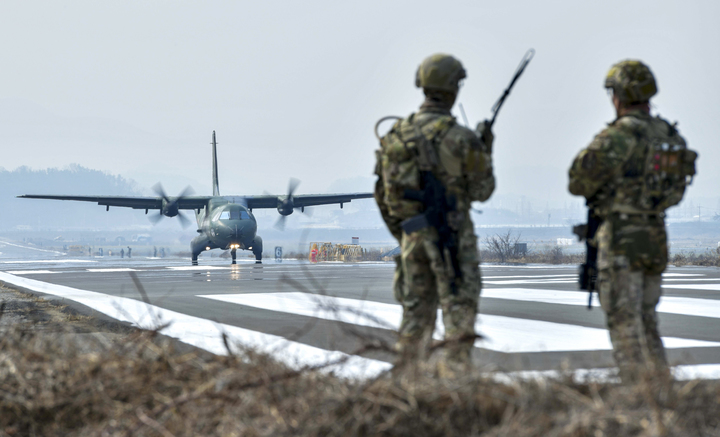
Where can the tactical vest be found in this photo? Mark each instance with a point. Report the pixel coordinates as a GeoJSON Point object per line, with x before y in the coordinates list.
{"type": "Point", "coordinates": [410, 147]}
{"type": "Point", "coordinates": [658, 168]}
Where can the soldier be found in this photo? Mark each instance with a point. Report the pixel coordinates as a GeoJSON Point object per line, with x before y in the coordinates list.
{"type": "Point", "coordinates": [430, 144]}
{"type": "Point", "coordinates": [630, 174]}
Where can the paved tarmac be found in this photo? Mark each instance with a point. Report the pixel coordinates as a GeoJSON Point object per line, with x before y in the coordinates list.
{"type": "Point", "coordinates": [533, 317]}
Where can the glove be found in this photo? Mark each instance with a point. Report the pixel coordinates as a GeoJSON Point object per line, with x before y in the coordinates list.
{"type": "Point", "coordinates": [484, 131]}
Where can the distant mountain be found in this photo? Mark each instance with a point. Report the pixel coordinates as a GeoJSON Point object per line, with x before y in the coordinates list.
{"type": "Point", "coordinates": [74, 179]}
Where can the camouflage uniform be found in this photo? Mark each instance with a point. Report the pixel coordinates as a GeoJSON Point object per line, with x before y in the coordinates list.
{"type": "Point", "coordinates": [424, 275]}
{"type": "Point", "coordinates": [630, 173]}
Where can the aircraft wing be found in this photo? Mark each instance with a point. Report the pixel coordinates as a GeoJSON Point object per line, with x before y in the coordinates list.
{"type": "Point", "coordinates": [187, 202]}
{"type": "Point", "coordinates": [303, 200]}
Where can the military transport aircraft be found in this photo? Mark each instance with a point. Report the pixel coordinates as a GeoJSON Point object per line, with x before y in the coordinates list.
{"type": "Point", "coordinates": [224, 222]}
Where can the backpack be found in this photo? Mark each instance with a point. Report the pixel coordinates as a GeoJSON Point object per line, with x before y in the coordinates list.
{"type": "Point", "coordinates": [405, 151]}
{"type": "Point", "coordinates": [659, 169]}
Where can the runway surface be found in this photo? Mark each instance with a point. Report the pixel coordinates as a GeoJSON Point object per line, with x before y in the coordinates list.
{"type": "Point", "coordinates": [533, 317]}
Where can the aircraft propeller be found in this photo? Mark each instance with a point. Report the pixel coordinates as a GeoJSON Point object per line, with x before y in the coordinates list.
{"type": "Point", "coordinates": [286, 205]}
{"type": "Point", "coordinates": [170, 205]}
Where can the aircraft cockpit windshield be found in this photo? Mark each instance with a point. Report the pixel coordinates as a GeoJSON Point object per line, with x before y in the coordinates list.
{"type": "Point", "coordinates": [233, 214]}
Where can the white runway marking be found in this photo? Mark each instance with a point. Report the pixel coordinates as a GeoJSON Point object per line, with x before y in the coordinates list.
{"type": "Point", "coordinates": [111, 270]}
{"type": "Point", "coordinates": [204, 333]}
{"type": "Point", "coordinates": [668, 304]}
{"type": "Point", "coordinates": [574, 275]}
{"type": "Point", "coordinates": [48, 261]}
{"type": "Point", "coordinates": [32, 248]}
{"type": "Point", "coordinates": [530, 276]}
{"type": "Point", "coordinates": [709, 287]}
{"type": "Point", "coordinates": [684, 372]}
{"type": "Point", "coordinates": [531, 281]}
{"type": "Point", "coordinates": [669, 275]}
{"type": "Point", "coordinates": [528, 266]}
{"type": "Point", "coordinates": [29, 272]}
{"type": "Point", "coordinates": [504, 334]}
{"type": "Point", "coordinates": [197, 268]}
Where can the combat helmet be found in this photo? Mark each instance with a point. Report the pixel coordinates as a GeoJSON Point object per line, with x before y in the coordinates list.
{"type": "Point", "coordinates": [440, 72]}
{"type": "Point", "coordinates": [631, 81]}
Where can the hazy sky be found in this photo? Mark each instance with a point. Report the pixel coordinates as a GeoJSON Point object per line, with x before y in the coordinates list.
{"type": "Point", "coordinates": [294, 88]}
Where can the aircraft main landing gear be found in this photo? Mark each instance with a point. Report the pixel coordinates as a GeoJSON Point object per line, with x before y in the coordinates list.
{"type": "Point", "coordinates": [257, 249]}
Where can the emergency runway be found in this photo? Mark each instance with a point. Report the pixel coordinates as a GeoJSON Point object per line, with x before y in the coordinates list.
{"type": "Point", "coordinates": [532, 317]}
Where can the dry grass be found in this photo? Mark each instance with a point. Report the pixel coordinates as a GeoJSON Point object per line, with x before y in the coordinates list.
{"type": "Point", "coordinates": [549, 255]}
{"type": "Point", "coordinates": [146, 385]}
{"type": "Point", "coordinates": [710, 258]}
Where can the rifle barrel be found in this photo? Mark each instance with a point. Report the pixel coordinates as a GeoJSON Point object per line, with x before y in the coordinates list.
{"type": "Point", "coordinates": [518, 72]}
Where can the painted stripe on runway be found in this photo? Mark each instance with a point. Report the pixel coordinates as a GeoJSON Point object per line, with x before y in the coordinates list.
{"type": "Point", "coordinates": [529, 276]}
{"type": "Point", "coordinates": [30, 272]}
{"type": "Point", "coordinates": [574, 275]}
{"type": "Point", "coordinates": [709, 287]}
{"type": "Point", "coordinates": [197, 268]}
{"type": "Point", "coordinates": [683, 372]}
{"type": "Point", "coordinates": [504, 334]}
{"type": "Point", "coordinates": [47, 261]}
{"type": "Point", "coordinates": [528, 266]}
{"type": "Point", "coordinates": [32, 248]}
{"type": "Point", "coordinates": [686, 306]}
{"type": "Point", "coordinates": [531, 281]}
{"type": "Point", "coordinates": [670, 275]}
{"type": "Point", "coordinates": [204, 333]}
{"type": "Point", "coordinates": [111, 270]}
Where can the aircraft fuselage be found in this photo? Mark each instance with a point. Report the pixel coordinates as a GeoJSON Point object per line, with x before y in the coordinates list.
{"type": "Point", "coordinates": [226, 225]}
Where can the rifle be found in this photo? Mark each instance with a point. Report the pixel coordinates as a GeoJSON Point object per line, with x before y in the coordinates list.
{"type": "Point", "coordinates": [486, 125]}
{"type": "Point", "coordinates": [437, 206]}
{"type": "Point", "coordinates": [588, 270]}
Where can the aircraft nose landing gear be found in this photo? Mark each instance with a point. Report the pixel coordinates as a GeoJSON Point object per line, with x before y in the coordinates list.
{"type": "Point", "coordinates": [233, 253]}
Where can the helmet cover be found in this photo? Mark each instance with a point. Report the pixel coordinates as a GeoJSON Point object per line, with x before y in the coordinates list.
{"type": "Point", "coordinates": [440, 72]}
{"type": "Point", "coordinates": [631, 81]}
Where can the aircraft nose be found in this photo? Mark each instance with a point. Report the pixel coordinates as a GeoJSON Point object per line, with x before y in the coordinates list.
{"type": "Point", "coordinates": [240, 229]}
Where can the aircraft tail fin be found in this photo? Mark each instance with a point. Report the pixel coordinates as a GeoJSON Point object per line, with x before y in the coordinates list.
{"type": "Point", "coordinates": [216, 187]}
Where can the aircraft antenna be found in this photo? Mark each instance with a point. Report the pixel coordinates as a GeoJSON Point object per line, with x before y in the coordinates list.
{"type": "Point", "coordinates": [215, 185]}
{"type": "Point", "coordinates": [462, 111]}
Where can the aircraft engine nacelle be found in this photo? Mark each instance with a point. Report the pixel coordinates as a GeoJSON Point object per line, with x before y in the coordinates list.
{"type": "Point", "coordinates": [285, 207]}
{"type": "Point", "coordinates": [169, 208]}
